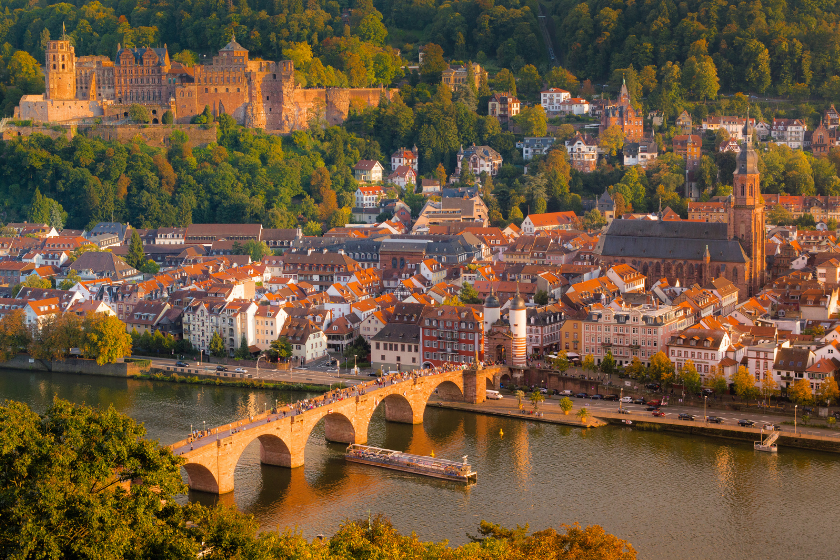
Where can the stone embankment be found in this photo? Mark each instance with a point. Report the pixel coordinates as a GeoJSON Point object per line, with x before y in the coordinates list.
{"type": "Point", "coordinates": [72, 365]}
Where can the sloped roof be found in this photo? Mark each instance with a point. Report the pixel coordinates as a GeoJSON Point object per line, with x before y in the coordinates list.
{"type": "Point", "coordinates": [670, 240]}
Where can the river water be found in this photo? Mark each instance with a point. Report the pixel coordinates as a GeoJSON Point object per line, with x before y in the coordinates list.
{"type": "Point", "coordinates": [672, 497]}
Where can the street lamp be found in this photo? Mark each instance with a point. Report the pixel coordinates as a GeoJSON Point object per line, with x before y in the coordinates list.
{"type": "Point", "coordinates": [205, 426]}
{"type": "Point", "coordinates": [794, 418]}
{"type": "Point", "coordinates": [621, 396]}
{"type": "Point", "coordinates": [355, 368]}
{"type": "Point", "coordinates": [200, 355]}
{"type": "Point", "coordinates": [258, 364]}
{"type": "Point", "coordinates": [705, 398]}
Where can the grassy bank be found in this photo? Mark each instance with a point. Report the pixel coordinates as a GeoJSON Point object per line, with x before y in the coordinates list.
{"type": "Point", "coordinates": [246, 384]}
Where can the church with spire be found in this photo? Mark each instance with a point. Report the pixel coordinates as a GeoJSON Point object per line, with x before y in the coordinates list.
{"type": "Point", "coordinates": [697, 252]}
{"type": "Point", "coordinates": [624, 116]}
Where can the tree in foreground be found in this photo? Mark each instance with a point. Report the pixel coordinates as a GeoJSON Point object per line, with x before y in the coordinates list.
{"type": "Point", "coordinates": [661, 368]}
{"type": "Point", "coordinates": [827, 391]}
{"type": "Point", "coordinates": [280, 349]}
{"type": "Point", "coordinates": [690, 378]}
{"type": "Point", "coordinates": [718, 382]}
{"type": "Point", "coordinates": [469, 294]}
{"type": "Point", "coordinates": [566, 405]}
{"type": "Point", "coordinates": [217, 346]}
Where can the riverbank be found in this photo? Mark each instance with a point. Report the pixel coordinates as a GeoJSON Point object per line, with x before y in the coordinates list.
{"type": "Point", "coordinates": [509, 408]}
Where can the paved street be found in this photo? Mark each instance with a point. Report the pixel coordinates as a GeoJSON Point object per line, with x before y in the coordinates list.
{"type": "Point", "coordinates": [730, 417]}
{"type": "Point", "coordinates": [316, 373]}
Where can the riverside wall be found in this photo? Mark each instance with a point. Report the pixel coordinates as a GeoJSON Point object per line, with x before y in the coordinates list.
{"type": "Point", "coordinates": [72, 365]}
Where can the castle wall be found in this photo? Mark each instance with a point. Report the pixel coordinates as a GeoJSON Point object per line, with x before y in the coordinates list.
{"type": "Point", "coordinates": [199, 136]}
{"type": "Point", "coordinates": [38, 109]}
{"type": "Point", "coordinates": [11, 132]}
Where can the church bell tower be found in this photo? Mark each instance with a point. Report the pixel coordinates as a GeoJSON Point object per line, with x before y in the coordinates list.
{"type": "Point", "coordinates": [746, 220]}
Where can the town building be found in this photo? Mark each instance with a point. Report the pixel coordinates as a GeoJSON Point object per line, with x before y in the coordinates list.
{"type": "Point", "coordinates": [583, 152]}
{"type": "Point", "coordinates": [788, 132]}
{"type": "Point", "coordinates": [551, 99]}
{"type": "Point", "coordinates": [535, 146]}
{"type": "Point", "coordinates": [624, 116]}
{"type": "Point", "coordinates": [458, 74]}
{"type": "Point", "coordinates": [368, 171]}
{"type": "Point", "coordinates": [641, 153]}
{"type": "Point", "coordinates": [451, 334]}
{"type": "Point", "coordinates": [546, 222]}
{"type": "Point", "coordinates": [405, 157]}
{"type": "Point", "coordinates": [477, 160]}
{"type": "Point", "coordinates": [503, 106]}
{"type": "Point", "coordinates": [307, 339]}
{"type": "Point", "coordinates": [705, 348]}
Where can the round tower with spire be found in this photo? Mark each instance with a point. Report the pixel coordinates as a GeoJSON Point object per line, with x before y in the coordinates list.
{"type": "Point", "coordinates": [60, 74]}
{"type": "Point", "coordinates": [518, 318]}
{"type": "Point", "coordinates": [492, 310]}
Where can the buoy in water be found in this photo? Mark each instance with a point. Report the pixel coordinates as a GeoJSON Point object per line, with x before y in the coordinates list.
{"type": "Point", "coordinates": [432, 454]}
{"type": "Point", "coordinates": [501, 433]}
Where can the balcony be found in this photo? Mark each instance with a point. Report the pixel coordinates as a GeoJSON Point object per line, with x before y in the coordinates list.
{"type": "Point", "coordinates": [606, 344]}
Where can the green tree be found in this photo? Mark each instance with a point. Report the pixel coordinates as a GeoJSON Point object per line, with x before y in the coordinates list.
{"type": "Point", "coordinates": [561, 363]}
{"type": "Point", "coordinates": [612, 140]}
{"type": "Point", "coordinates": [372, 30]}
{"type": "Point", "coordinates": [589, 363]}
{"type": "Point", "coordinates": [468, 294]}
{"type": "Point", "coordinates": [257, 250]}
{"type": "Point", "coordinates": [135, 258]}
{"type": "Point", "coordinates": [827, 391]}
{"type": "Point", "coordinates": [104, 338]}
{"type": "Point", "coordinates": [689, 378]}
{"type": "Point", "coordinates": [530, 83]}
{"type": "Point", "coordinates": [594, 220]}
{"type": "Point", "coordinates": [281, 349]}
{"type": "Point", "coordinates": [56, 336]}
{"type": "Point", "coordinates": [139, 114]}
{"type": "Point", "coordinates": [505, 82]}
{"type": "Point", "coordinates": [541, 297]}
{"type": "Point", "coordinates": [779, 216]}
{"type": "Point", "coordinates": [636, 369]}
{"type": "Point", "coordinates": [242, 353]}
{"type": "Point", "coordinates": [800, 392]}
{"type": "Point", "coordinates": [433, 64]}
{"type": "Point", "coordinates": [312, 229]}
{"type": "Point", "coordinates": [536, 398]}
{"type": "Point", "coordinates": [519, 394]}
{"type": "Point", "coordinates": [566, 405]}
{"type": "Point", "coordinates": [532, 121]}
{"type": "Point", "coordinates": [745, 384]}
{"type": "Point", "coordinates": [360, 348]}
{"type": "Point", "coordinates": [167, 118]}
{"type": "Point", "coordinates": [14, 335]}
{"type": "Point", "coordinates": [31, 281]}
{"type": "Point", "coordinates": [150, 267]}
{"type": "Point", "coordinates": [217, 346]}
{"type": "Point", "coordinates": [661, 368]}
{"type": "Point", "coordinates": [583, 414]}
{"type": "Point", "coordinates": [74, 465]}
{"type": "Point", "coordinates": [717, 382]}
{"type": "Point", "coordinates": [608, 364]}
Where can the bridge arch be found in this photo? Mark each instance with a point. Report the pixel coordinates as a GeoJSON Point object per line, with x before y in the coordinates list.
{"type": "Point", "coordinates": [201, 478]}
{"type": "Point", "coordinates": [338, 428]}
{"type": "Point", "coordinates": [274, 451]}
{"type": "Point", "coordinates": [399, 409]}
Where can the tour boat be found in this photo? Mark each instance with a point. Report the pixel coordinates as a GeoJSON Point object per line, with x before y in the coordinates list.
{"type": "Point", "coordinates": [417, 464]}
{"type": "Point", "coordinates": [768, 444]}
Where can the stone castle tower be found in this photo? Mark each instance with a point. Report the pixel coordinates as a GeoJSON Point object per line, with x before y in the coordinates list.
{"type": "Point", "coordinates": [60, 69]}
{"type": "Point", "coordinates": [746, 220]}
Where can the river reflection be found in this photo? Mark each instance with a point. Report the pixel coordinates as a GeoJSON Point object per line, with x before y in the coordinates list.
{"type": "Point", "coordinates": [671, 496]}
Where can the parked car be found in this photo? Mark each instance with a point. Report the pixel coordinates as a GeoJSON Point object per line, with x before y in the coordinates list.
{"type": "Point", "coordinates": [627, 400]}
{"type": "Point", "coordinates": [240, 370]}
{"type": "Point", "coordinates": [581, 395]}
{"type": "Point", "coordinates": [623, 411]}
{"type": "Point", "coordinates": [181, 363]}
{"type": "Point", "coordinates": [685, 416]}
{"type": "Point", "coordinates": [746, 423]}
{"type": "Point", "coordinates": [596, 397]}
{"type": "Point", "coordinates": [555, 392]}
{"type": "Point", "coordinates": [544, 391]}
{"type": "Point", "coordinates": [772, 427]}
{"type": "Point", "coordinates": [639, 401]}
{"type": "Point", "coordinates": [651, 407]}
{"type": "Point", "coordinates": [652, 386]}
{"type": "Point", "coordinates": [654, 403]}
{"type": "Point", "coordinates": [221, 368]}
{"type": "Point", "coordinates": [708, 392]}
{"type": "Point", "coordinates": [611, 398]}
{"type": "Point", "coordinates": [566, 392]}
{"type": "Point", "coordinates": [715, 419]}
{"type": "Point", "coordinates": [658, 413]}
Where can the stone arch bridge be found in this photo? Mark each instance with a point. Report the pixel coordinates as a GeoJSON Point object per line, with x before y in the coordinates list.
{"type": "Point", "coordinates": [210, 461]}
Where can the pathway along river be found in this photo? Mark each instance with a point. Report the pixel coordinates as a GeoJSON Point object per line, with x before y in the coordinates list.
{"type": "Point", "coordinates": [671, 496]}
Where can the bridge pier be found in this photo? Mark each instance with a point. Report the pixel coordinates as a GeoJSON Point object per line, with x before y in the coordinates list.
{"type": "Point", "coordinates": [475, 385]}
{"type": "Point", "coordinates": [339, 429]}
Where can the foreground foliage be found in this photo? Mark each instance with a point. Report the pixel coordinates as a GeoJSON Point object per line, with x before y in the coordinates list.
{"type": "Point", "coordinates": [78, 482]}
